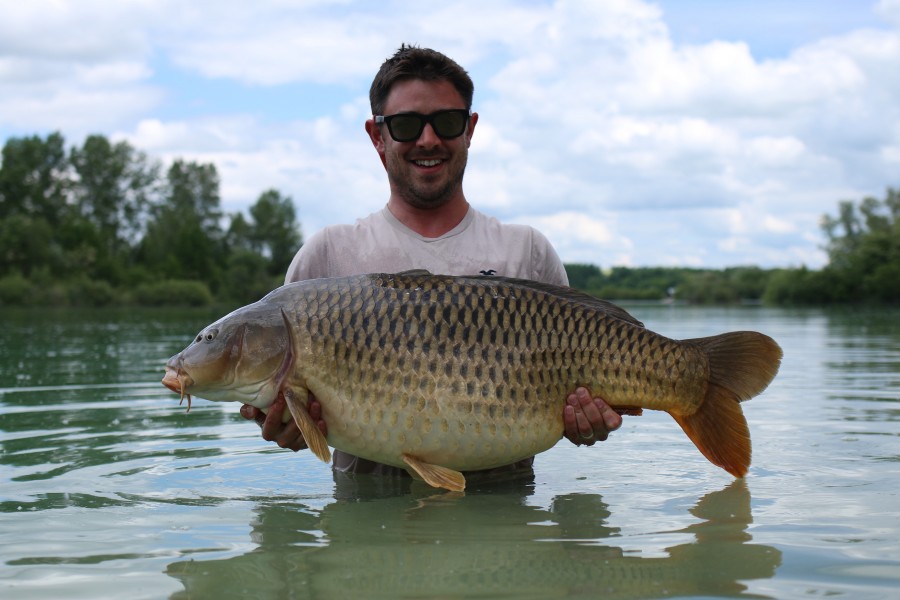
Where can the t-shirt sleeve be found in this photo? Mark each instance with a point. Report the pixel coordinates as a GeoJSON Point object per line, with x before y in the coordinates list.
{"type": "Point", "coordinates": [547, 265]}
{"type": "Point", "coordinates": [311, 259]}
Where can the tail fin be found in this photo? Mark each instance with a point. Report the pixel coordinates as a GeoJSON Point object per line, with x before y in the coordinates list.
{"type": "Point", "coordinates": [741, 365]}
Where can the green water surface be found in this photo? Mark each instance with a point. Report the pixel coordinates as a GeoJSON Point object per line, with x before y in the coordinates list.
{"type": "Point", "coordinates": [109, 490]}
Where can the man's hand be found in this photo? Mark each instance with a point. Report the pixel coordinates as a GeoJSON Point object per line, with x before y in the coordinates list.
{"type": "Point", "coordinates": [588, 420]}
{"type": "Point", "coordinates": [286, 435]}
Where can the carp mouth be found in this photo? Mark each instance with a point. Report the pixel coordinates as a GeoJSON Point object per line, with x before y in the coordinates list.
{"type": "Point", "coordinates": [178, 381]}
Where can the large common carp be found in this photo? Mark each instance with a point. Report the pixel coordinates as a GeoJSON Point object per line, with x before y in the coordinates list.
{"type": "Point", "coordinates": [440, 374]}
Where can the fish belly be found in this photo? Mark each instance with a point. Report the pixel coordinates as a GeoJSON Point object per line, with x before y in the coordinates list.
{"type": "Point", "coordinates": [464, 434]}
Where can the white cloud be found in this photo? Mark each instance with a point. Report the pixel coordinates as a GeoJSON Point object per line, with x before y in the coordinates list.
{"type": "Point", "coordinates": [889, 11]}
{"type": "Point", "coordinates": [622, 145]}
{"type": "Point", "coordinates": [776, 225]}
{"type": "Point", "coordinates": [775, 151]}
{"type": "Point", "coordinates": [583, 239]}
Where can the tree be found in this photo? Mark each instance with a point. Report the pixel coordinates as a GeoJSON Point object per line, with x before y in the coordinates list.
{"type": "Point", "coordinates": [275, 232]}
{"type": "Point", "coordinates": [193, 191]}
{"type": "Point", "coordinates": [580, 275]}
{"type": "Point", "coordinates": [34, 178]}
{"type": "Point", "coordinates": [23, 244]}
{"type": "Point", "coordinates": [184, 237]}
{"type": "Point", "coordinates": [114, 186]}
{"type": "Point", "coordinates": [102, 218]}
{"type": "Point", "coordinates": [33, 186]}
{"type": "Point", "coordinates": [863, 252]}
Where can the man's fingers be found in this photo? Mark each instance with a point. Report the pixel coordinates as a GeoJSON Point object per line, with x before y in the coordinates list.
{"type": "Point", "coordinates": [591, 424]}
{"type": "Point", "coordinates": [315, 408]}
{"type": "Point", "coordinates": [272, 425]}
{"type": "Point", "coordinates": [588, 420]}
{"type": "Point", "coordinates": [611, 418]}
{"type": "Point", "coordinates": [249, 412]}
{"type": "Point", "coordinates": [286, 435]}
{"type": "Point", "coordinates": [577, 426]}
{"type": "Point", "coordinates": [315, 412]}
{"type": "Point", "coordinates": [290, 437]}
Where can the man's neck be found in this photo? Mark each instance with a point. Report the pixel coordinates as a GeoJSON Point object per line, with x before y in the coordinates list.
{"type": "Point", "coordinates": [429, 223]}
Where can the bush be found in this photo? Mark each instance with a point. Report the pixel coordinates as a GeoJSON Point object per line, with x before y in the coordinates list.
{"type": "Point", "coordinates": [15, 290]}
{"type": "Point", "coordinates": [246, 279]}
{"type": "Point", "coordinates": [883, 283]}
{"type": "Point", "coordinates": [173, 292]}
{"type": "Point", "coordinates": [87, 292]}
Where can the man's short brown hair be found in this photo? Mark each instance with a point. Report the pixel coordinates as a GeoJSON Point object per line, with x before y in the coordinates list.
{"type": "Point", "coordinates": [412, 62]}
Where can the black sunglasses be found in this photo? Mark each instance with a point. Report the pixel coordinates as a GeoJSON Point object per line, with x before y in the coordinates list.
{"type": "Point", "coordinates": [406, 127]}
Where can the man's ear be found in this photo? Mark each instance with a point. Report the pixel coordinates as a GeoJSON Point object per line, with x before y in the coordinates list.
{"type": "Point", "coordinates": [470, 130]}
{"type": "Point", "coordinates": [374, 131]}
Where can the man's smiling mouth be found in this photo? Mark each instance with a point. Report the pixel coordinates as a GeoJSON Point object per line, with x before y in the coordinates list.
{"type": "Point", "coordinates": [428, 163]}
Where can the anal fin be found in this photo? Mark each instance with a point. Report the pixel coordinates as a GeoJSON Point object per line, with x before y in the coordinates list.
{"type": "Point", "coordinates": [436, 475]}
{"type": "Point", "coordinates": [314, 438]}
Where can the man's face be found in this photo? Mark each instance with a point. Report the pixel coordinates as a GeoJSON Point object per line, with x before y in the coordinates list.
{"type": "Point", "coordinates": [428, 171]}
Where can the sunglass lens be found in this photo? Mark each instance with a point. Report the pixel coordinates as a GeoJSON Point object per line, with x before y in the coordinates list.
{"type": "Point", "coordinates": [449, 124]}
{"type": "Point", "coordinates": [405, 128]}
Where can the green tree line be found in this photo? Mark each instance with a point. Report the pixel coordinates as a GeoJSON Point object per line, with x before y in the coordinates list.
{"type": "Point", "coordinates": [863, 245]}
{"type": "Point", "coordinates": [105, 224]}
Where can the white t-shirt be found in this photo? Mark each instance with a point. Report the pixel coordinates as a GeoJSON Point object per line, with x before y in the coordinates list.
{"type": "Point", "coordinates": [379, 243]}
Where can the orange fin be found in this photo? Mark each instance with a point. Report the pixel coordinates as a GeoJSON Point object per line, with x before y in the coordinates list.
{"type": "Point", "coordinates": [744, 362]}
{"type": "Point", "coordinates": [314, 438]}
{"type": "Point", "coordinates": [741, 365]}
{"type": "Point", "coordinates": [719, 430]}
{"type": "Point", "coordinates": [435, 475]}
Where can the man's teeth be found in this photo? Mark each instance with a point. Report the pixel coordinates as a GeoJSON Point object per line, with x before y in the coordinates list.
{"type": "Point", "coordinates": [428, 163]}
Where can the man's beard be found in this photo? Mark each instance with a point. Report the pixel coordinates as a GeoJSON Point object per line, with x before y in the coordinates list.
{"type": "Point", "coordinates": [425, 196]}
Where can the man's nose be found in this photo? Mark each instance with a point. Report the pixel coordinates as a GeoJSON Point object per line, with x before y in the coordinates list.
{"type": "Point", "coordinates": [428, 138]}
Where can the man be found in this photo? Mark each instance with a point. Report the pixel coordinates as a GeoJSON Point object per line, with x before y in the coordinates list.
{"type": "Point", "coordinates": [422, 127]}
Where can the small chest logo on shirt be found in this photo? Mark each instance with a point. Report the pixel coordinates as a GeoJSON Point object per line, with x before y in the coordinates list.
{"type": "Point", "coordinates": [488, 272]}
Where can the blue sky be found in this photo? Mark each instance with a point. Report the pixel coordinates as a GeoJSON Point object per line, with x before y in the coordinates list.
{"type": "Point", "coordinates": [676, 132]}
{"type": "Point", "coordinates": [772, 28]}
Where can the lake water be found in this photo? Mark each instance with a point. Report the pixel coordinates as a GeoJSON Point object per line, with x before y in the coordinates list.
{"type": "Point", "coordinates": [109, 490]}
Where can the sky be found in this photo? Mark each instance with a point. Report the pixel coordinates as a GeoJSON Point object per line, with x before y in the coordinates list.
{"type": "Point", "coordinates": [694, 133]}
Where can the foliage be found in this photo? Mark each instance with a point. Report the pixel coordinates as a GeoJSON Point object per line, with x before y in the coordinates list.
{"type": "Point", "coordinates": [173, 292]}
{"type": "Point", "coordinates": [703, 286]}
{"type": "Point", "coordinates": [104, 225]}
{"type": "Point", "coordinates": [87, 292]}
{"type": "Point", "coordinates": [15, 290]}
{"type": "Point", "coordinates": [247, 279]}
{"type": "Point", "coordinates": [864, 258]}
{"type": "Point", "coordinates": [625, 283]}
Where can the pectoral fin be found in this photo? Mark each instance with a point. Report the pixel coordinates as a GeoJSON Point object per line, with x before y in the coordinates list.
{"type": "Point", "coordinates": [296, 401]}
{"type": "Point", "coordinates": [435, 475]}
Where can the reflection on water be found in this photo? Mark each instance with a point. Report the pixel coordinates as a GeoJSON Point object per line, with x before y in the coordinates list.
{"type": "Point", "coordinates": [491, 542]}
{"type": "Point", "coordinates": [104, 480]}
